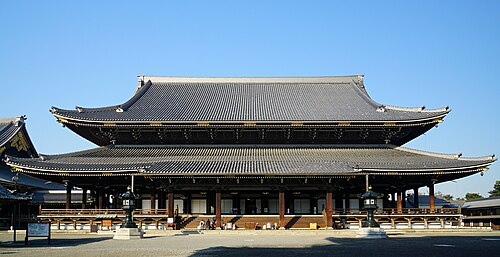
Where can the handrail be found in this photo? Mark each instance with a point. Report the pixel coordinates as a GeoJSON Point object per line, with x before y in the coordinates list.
{"type": "Point", "coordinates": [51, 212]}
{"type": "Point", "coordinates": [384, 211]}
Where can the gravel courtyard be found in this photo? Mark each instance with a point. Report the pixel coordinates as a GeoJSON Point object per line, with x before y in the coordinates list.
{"type": "Point", "coordinates": [267, 244]}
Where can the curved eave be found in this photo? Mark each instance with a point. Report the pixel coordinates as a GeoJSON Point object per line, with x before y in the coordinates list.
{"type": "Point", "coordinates": [455, 170]}
{"type": "Point", "coordinates": [68, 119]}
{"type": "Point", "coordinates": [54, 172]}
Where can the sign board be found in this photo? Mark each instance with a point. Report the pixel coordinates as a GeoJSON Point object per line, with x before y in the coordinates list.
{"type": "Point", "coordinates": [107, 223]}
{"type": "Point", "coordinates": [36, 229]}
{"type": "Point", "coordinates": [170, 220]}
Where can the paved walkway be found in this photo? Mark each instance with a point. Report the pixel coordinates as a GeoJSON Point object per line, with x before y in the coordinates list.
{"type": "Point", "coordinates": [265, 244]}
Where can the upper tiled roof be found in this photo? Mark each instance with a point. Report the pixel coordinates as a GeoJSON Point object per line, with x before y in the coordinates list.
{"type": "Point", "coordinates": [307, 99]}
{"type": "Point", "coordinates": [250, 160]}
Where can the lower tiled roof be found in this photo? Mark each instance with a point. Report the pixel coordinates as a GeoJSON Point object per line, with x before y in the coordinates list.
{"type": "Point", "coordinates": [199, 160]}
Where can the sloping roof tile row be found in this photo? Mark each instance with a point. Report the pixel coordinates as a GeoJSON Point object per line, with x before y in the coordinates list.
{"type": "Point", "coordinates": [308, 99]}
{"type": "Point", "coordinates": [247, 160]}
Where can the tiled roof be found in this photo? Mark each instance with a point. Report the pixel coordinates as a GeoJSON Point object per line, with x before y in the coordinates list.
{"type": "Point", "coordinates": [250, 160]}
{"type": "Point", "coordinates": [482, 203]}
{"type": "Point", "coordinates": [307, 99]}
{"type": "Point", "coordinates": [27, 181]}
{"type": "Point", "coordinates": [6, 195]}
{"type": "Point", "coordinates": [9, 127]}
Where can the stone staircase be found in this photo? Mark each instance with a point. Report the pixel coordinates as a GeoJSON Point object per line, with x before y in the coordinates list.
{"type": "Point", "coordinates": [291, 221]}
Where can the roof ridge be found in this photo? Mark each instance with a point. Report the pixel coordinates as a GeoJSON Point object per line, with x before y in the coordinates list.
{"type": "Point", "coordinates": [298, 79]}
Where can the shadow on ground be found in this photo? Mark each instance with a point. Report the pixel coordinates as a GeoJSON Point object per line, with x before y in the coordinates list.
{"type": "Point", "coordinates": [54, 242]}
{"type": "Point", "coordinates": [456, 246]}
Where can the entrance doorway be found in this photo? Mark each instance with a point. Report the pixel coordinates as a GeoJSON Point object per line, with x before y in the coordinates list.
{"type": "Point", "coordinates": [250, 206]}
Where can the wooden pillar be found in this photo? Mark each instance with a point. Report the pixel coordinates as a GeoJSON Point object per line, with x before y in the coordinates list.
{"type": "Point", "coordinates": [415, 197]}
{"type": "Point", "coordinates": [281, 200]}
{"type": "Point", "coordinates": [264, 203]}
{"type": "Point", "coordinates": [170, 207]}
{"type": "Point", "coordinates": [313, 203]}
{"type": "Point", "coordinates": [347, 203]}
{"type": "Point", "coordinates": [339, 204]}
{"type": "Point", "coordinates": [187, 204]}
{"type": "Point", "coordinates": [236, 204]}
{"type": "Point", "coordinates": [161, 200]}
{"type": "Point", "coordinates": [68, 195]}
{"type": "Point", "coordinates": [431, 198]}
{"type": "Point", "coordinates": [329, 210]}
{"type": "Point", "coordinates": [84, 198]}
{"type": "Point", "coordinates": [218, 203]}
{"type": "Point", "coordinates": [399, 202]}
{"type": "Point", "coordinates": [385, 201]}
{"type": "Point", "coordinates": [403, 199]}
{"type": "Point", "coordinates": [100, 202]}
{"type": "Point", "coordinates": [153, 200]}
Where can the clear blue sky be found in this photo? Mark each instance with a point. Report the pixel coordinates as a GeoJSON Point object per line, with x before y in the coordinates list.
{"type": "Point", "coordinates": [413, 53]}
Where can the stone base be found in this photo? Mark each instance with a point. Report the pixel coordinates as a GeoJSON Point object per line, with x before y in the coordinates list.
{"type": "Point", "coordinates": [371, 233]}
{"type": "Point", "coordinates": [128, 233]}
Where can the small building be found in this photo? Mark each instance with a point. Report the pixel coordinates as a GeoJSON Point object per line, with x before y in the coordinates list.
{"type": "Point", "coordinates": [482, 213]}
{"type": "Point", "coordinates": [15, 141]}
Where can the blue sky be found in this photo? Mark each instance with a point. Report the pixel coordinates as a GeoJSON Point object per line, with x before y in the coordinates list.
{"type": "Point", "coordinates": [413, 53]}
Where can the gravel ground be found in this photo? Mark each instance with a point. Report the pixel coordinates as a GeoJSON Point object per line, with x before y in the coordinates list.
{"type": "Point", "coordinates": [269, 244]}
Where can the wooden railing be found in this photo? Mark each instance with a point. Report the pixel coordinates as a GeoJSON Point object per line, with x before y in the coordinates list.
{"type": "Point", "coordinates": [91, 212]}
{"type": "Point", "coordinates": [163, 212]}
{"type": "Point", "coordinates": [341, 218]}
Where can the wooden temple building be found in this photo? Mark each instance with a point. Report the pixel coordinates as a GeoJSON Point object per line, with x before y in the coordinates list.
{"type": "Point", "coordinates": [289, 151]}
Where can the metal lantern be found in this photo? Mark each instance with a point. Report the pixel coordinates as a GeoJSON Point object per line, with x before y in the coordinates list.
{"type": "Point", "coordinates": [129, 201]}
{"type": "Point", "coordinates": [370, 205]}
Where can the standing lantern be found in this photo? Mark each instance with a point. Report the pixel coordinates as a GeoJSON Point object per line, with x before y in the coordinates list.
{"type": "Point", "coordinates": [370, 205]}
{"type": "Point", "coordinates": [371, 228]}
{"type": "Point", "coordinates": [128, 201]}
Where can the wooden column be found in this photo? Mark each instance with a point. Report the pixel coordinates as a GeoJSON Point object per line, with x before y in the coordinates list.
{"type": "Point", "coordinates": [100, 197]}
{"type": "Point", "coordinates": [415, 197]}
{"type": "Point", "coordinates": [399, 202]}
{"type": "Point", "coordinates": [68, 195]}
{"type": "Point", "coordinates": [153, 200]}
{"type": "Point", "coordinates": [161, 200]}
{"type": "Point", "coordinates": [347, 204]}
{"type": "Point", "coordinates": [339, 204]}
{"type": "Point", "coordinates": [187, 204]}
{"type": "Point", "coordinates": [403, 199]}
{"type": "Point", "coordinates": [313, 203]}
{"type": "Point", "coordinates": [84, 197]}
{"type": "Point", "coordinates": [281, 200]}
{"type": "Point", "coordinates": [236, 204]}
{"type": "Point", "coordinates": [218, 202]}
{"type": "Point", "coordinates": [329, 210]}
{"type": "Point", "coordinates": [170, 207]}
{"type": "Point", "coordinates": [431, 198]}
